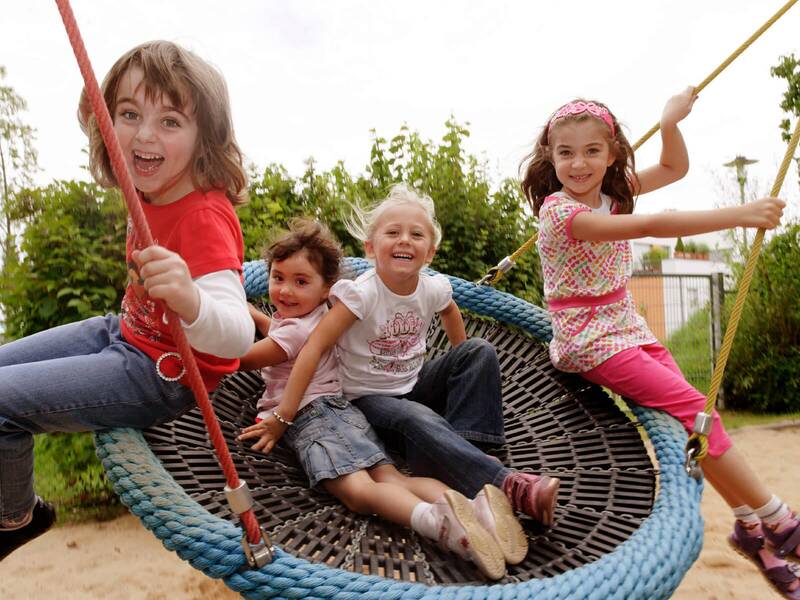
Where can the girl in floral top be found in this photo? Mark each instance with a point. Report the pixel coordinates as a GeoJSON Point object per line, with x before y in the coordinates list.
{"type": "Point", "coordinates": [581, 183]}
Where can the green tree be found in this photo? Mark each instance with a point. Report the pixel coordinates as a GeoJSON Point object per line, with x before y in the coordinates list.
{"type": "Point", "coordinates": [789, 69]}
{"type": "Point", "coordinates": [73, 245]}
{"type": "Point", "coordinates": [481, 225]}
{"type": "Point", "coordinates": [763, 371]}
{"type": "Point", "coordinates": [18, 160]}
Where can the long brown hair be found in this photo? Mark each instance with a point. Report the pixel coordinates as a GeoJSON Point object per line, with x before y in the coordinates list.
{"type": "Point", "coordinates": [188, 82]}
{"type": "Point", "coordinates": [539, 175]}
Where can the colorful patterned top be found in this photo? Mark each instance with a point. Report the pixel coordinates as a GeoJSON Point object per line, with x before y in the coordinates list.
{"type": "Point", "coordinates": [593, 315]}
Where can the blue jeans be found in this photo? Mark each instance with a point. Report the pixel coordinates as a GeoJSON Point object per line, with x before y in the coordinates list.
{"type": "Point", "coordinates": [331, 438]}
{"type": "Point", "coordinates": [78, 377]}
{"type": "Point", "coordinates": [457, 398]}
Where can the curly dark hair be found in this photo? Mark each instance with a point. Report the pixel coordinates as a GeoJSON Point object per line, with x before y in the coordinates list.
{"type": "Point", "coordinates": [322, 250]}
{"type": "Point", "coordinates": [539, 175]}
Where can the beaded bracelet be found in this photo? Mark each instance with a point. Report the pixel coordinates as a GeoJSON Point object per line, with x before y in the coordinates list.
{"type": "Point", "coordinates": [280, 419]}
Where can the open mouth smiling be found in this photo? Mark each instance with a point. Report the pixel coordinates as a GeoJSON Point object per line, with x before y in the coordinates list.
{"type": "Point", "coordinates": [147, 163]}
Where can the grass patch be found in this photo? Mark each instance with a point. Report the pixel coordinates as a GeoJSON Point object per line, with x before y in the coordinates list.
{"type": "Point", "coordinates": [736, 419]}
{"type": "Point", "coordinates": [690, 346]}
{"type": "Point", "coordinates": [69, 474]}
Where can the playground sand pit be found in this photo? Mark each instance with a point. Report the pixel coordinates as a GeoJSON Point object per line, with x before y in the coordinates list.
{"type": "Point", "coordinates": [120, 559]}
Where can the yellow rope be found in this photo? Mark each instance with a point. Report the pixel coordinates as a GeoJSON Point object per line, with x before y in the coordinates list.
{"type": "Point", "coordinates": [744, 285]}
{"type": "Point", "coordinates": [724, 64]}
{"type": "Point", "coordinates": [495, 274]}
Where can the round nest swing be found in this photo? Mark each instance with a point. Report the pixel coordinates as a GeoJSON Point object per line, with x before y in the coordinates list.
{"type": "Point", "coordinates": [622, 530]}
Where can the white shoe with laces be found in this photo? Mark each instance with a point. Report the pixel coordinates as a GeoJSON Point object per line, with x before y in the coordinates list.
{"type": "Point", "coordinates": [494, 512]}
{"type": "Point", "coordinates": [460, 531]}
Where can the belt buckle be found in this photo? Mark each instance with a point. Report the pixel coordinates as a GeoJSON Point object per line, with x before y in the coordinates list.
{"type": "Point", "coordinates": [162, 374]}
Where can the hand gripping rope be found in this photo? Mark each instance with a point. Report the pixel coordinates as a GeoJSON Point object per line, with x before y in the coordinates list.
{"type": "Point", "coordinates": [255, 542]}
{"type": "Point", "coordinates": [495, 274]}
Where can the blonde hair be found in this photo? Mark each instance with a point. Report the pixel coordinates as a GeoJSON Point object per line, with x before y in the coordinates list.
{"type": "Point", "coordinates": [361, 223]}
{"type": "Point", "coordinates": [188, 82]}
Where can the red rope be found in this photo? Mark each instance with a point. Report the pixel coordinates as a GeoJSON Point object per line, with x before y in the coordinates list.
{"type": "Point", "coordinates": [142, 229]}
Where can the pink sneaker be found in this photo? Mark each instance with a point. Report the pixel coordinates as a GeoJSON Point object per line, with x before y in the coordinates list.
{"type": "Point", "coordinates": [534, 495]}
{"type": "Point", "coordinates": [497, 517]}
{"type": "Point", "coordinates": [459, 531]}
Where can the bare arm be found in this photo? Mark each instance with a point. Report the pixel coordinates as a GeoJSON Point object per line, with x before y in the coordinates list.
{"type": "Point", "coordinates": [264, 353]}
{"type": "Point", "coordinates": [453, 324]}
{"type": "Point", "coordinates": [322, 339]}
{"type": "Point", "coordinates": [330, 328]}
{"type": "Point", "coordinates": [764, 213]}
{"type": "Point", "coordinates": [261, 320]}
{"type": "Point", "coordinates": [674, 161]}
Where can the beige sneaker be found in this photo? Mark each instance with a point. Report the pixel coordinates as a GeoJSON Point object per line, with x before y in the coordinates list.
{"type": "Point", "coordinates": [494, 512]}
{"type": "Point", "coordinates": [459, 531]}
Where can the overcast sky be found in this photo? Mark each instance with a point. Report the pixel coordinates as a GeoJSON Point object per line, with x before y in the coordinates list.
{"type": "Point", "coordinates": [312, 78]}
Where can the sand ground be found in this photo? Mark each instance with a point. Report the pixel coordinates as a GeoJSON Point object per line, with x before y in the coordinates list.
{"type": "Point", "coordinates": [120, 559]}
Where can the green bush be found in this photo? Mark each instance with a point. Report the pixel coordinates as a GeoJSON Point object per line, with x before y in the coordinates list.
{"type": "Point", "coordinates": [73, 265]}
{"type": "Point", "coordinates": [763, 371]}
{"type": "Point", "coordinates": [480, 226]}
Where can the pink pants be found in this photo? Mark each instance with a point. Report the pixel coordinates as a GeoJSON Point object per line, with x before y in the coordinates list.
{"type": "Point", "coordinates": [649, 376]}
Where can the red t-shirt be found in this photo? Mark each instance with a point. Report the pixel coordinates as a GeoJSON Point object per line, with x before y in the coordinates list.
{"type": "Point", "coordinates": [203, 228]}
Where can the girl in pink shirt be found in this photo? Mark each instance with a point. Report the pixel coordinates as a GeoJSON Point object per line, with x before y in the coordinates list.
{"type": "Point", "coordinates": [580, 182]}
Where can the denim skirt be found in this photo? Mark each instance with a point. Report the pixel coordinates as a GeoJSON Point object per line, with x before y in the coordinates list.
{"type": "Point", "coordinates": [333, 438]}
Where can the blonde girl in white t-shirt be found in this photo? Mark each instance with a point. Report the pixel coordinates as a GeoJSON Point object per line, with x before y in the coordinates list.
{"type": "Point", "coordinates": [333, 440]}
{"type": "Point", "coordinates": [440, 409]}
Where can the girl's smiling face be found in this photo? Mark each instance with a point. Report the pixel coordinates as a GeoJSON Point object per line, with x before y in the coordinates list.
{"type": "Point", "coordinates": [295, 286]}
{"type": "Point", "coordinates": [401, 244]}
{"type": "Point", "coordinates": [581, 155]}
{"type": "Point", "coordinates": [158, 140]}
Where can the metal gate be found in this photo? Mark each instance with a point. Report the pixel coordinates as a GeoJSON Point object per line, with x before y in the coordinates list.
{"type": "Point", "coordinates": [685, 314]}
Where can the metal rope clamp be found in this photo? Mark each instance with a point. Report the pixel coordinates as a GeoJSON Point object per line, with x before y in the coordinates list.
{"type": "Point", "coordinates": [502, 267]}
{"type": "Point", "coordinates": [703, 422]}
{"type": "Point", "coordinates": [240, 500]}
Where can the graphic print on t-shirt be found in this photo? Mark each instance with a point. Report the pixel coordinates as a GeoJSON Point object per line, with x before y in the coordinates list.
{"type": "Point", "coordinates": [399, 347]}
{"type": "Point", "coordinates": [138, 309]}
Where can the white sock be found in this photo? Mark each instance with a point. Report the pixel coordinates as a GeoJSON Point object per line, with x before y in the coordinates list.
{"type": "Point", "coordinates": [773, 511]}
{"type": "Point", "coordinates": [747, 516]}
{"type": "Point", "coordinates": [423, 520]}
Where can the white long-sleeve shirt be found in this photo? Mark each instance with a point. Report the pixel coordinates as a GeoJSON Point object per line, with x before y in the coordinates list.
{"type": "Point", "coordinates": [223, 326]}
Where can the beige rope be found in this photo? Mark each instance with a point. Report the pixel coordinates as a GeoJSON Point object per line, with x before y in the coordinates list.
{"type": "Point", "coordinates": [495, 274]}
{"type": "Point", "coordinates": [744, 285]}
{"type": "Point", "coordinates": [724, 64]}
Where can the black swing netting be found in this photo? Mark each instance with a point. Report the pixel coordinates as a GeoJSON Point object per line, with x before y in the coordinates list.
{"type": "Point", "coordinates": [556, 424]}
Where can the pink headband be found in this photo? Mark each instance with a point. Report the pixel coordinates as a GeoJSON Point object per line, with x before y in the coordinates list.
{"type": "Point", "coordinates": [580, 107]}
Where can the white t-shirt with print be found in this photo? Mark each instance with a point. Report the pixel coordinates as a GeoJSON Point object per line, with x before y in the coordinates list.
{"type": "Point", "coordinates": [383, 351]}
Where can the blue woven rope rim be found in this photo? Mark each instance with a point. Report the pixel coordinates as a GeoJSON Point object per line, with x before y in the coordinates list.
{"type": "Point", "coordinates": [650, 564]}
